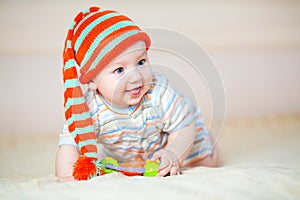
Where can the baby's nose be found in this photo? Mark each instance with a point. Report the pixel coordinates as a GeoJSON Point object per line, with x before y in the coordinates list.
{"type": "Point", "coordinates": [134, 75]}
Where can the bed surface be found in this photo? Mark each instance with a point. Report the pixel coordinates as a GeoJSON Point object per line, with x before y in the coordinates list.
{"type": "Point", "coordinates": [260, 160]}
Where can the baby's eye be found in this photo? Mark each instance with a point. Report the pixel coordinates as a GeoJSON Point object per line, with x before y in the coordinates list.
{"type": "Point", "coordinates": [119, 70]}
{"type": "Point", "coordinates": [141, 62]}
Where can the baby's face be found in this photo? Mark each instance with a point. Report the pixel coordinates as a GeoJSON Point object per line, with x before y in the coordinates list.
{"type": "Point", "coordinates": [127, 78]}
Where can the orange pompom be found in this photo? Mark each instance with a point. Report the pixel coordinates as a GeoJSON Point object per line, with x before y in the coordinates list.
{"type": "Point", "coordinates": [85, 168]}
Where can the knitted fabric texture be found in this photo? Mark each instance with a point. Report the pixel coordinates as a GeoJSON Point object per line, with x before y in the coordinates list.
{"type": "Point", "coordinates": [95, 38]}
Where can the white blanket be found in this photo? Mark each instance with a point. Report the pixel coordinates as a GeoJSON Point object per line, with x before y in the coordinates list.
{"type": "Point", "coordinates": [260, 160]}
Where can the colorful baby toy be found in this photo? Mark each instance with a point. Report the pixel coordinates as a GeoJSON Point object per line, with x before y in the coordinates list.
{"type": "Point", "coordinates": [86, 168]}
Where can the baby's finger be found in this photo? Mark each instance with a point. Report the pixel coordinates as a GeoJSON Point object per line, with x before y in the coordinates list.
{"type": "Point", "coordinates": [164, 171]}
{"type": "Point", "coordinates": [163, 165]}
{"type": "Point", "coordinates": [174, 170]}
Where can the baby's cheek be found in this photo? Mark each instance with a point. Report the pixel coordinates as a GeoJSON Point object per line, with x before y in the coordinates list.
{"type": "Point", "coordinates": [148, 76]}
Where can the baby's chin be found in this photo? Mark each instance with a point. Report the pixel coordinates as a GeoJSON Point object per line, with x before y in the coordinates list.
{"type": "Point", "coordinates": [126, 103]}
{"type": "Point", "coordinates": [134, 101]}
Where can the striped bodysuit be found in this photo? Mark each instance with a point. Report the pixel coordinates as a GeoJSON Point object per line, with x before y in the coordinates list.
{"type": "Point", "coordinates": [136, 132]}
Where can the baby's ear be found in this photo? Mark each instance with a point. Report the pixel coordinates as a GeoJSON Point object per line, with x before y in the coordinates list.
{"type": "Point", "coordinates": [92, 85]}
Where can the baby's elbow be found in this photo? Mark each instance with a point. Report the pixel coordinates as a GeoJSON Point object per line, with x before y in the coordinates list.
{"type": "Point", "coordinates": [214, 158]}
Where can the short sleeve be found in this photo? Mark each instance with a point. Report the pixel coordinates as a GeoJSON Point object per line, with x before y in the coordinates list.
{"type": "Point", "coordinates": [65, 137]}
{"type": "Point", "coordinates": [178, 111]}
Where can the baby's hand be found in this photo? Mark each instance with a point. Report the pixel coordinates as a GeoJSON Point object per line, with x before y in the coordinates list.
{"type": "Point", "coordinates": [168, 162]}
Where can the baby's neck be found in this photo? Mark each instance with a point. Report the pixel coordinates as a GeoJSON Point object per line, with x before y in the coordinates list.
{"type": "Point", "coordinates": [118, 110]}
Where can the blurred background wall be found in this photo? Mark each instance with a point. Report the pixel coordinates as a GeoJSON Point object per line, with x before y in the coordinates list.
{"type": "Point", "coordinates": [255, 46]}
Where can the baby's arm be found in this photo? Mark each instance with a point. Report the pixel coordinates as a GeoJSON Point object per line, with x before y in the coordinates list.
{"type": "Point", "coordinates": [179, 145]}
{"type": "Point", "coordinates": [211, 160]}
{"type": "Point", "coordinates": [65, 158]}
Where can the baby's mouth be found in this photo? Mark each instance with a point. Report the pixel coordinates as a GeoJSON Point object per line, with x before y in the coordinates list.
{"type": "Point", "coordinates": [135, 92]}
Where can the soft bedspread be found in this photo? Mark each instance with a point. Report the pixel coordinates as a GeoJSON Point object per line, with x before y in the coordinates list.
{"type": "Point", "coordinates": [260, 160]}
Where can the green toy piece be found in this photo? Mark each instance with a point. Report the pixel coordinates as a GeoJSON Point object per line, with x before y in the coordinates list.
{"type": "Point", "coordinates": [151, 168]}
{"type": "Point", "coordinates": [111, 161]}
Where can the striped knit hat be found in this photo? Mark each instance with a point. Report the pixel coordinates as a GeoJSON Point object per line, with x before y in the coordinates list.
{"type": "Point", "coordinates": [95, 38]}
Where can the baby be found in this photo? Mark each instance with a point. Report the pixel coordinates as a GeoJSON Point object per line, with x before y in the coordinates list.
{"type": "Point", "coordinates": [128, 112]}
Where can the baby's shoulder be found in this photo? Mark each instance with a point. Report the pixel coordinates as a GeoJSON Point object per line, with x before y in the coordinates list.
{"type": "Point", "coordinates": [159, 83]}
{"type": "Point", "coordinates": [92, 101]}
{"type": "Point", "coordinates": [159, 79]}
{"type": "Point", "coordinates": [160, 88]}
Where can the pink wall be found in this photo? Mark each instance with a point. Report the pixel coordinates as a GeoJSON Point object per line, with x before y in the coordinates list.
{"type": "Point", "coordinates": [255, 47]}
